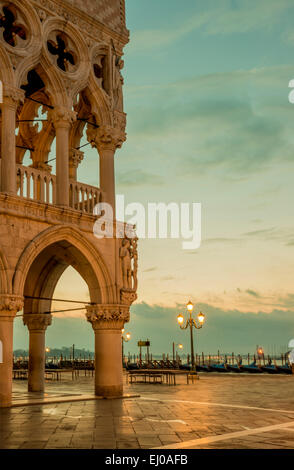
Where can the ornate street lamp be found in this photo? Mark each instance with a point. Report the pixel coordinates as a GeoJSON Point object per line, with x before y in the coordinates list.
{"type": "Point", "coordinates": [126, 339]}
{"type": "Point", "coordinates": [192, 323]}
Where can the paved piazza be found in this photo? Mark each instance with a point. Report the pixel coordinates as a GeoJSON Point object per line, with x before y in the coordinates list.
{"type": "Point", "coordinates": [218, 411]}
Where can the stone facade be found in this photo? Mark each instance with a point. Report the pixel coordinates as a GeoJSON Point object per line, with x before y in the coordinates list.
{"type": "Point", "coordinates": [62, 59]}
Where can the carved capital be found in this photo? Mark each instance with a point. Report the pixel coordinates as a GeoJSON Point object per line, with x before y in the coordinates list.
{"type": "Point", "coordinates": [75, 157]}
{"type": "Point", "coordinates": [62, 117]}
{"type": "Point", "coordinates": [128, 296]}
{"type": "Point", "coordinates": [10, 305]}
{"type": "Point", "coordinates": [37, 321]}
{"type": "Point", "coordinates": [13, 96]}
{"type": "Point", "coordinates": [106, 138]}
{"type": "Point", "coordinates": [107, 316]}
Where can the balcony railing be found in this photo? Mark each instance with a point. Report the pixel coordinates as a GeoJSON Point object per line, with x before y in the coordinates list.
{"type": "Point", "coordinates": [83, 197]}
{"type": "Point", "coordinates": [39, 185]}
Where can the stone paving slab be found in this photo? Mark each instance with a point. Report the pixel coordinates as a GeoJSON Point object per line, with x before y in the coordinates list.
{"type": "Point", "coordinates": [214, 413]}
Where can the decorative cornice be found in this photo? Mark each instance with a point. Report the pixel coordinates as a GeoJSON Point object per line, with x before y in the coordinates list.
{"type": "Point", "coordinates": [37, 321]}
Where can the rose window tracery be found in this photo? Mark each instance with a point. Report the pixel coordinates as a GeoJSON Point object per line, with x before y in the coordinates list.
{"type": "Point", "coordinates": [12, 28]}
{"type": "Point", "coordinates": [61, 49]}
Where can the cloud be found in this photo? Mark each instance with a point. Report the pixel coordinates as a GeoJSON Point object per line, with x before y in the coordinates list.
{"type": "Point", "coordinates": [227, 330]}
{"type": "Point", "coordinates": [252, 293]}
{"type": "Point", "coordinates": [149, 270]}
{"type": "Point", "coordinates": [224, 19]}
{"type": "Point", "coordinates": [221, 240]}
{"type": "Point", "coordinates": [286, 301]}
{"type": "Point", "coordinates": [284, 235]}
{"type": "Point", "coordinates": [236, 124]}
{"type": "Point", "coordinates": [167, 278]}
{"type": "Point", "coordinates": [137, 177]}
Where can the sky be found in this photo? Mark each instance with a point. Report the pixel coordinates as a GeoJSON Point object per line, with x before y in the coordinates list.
{"type": "Point", "coordinates": [209, 121]}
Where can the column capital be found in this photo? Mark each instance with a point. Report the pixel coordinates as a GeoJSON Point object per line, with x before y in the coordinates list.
{"type": "Point", "coordinates": [12, 96]}
{"type": "Point", "coordinates": [37, 321]}
{"type": "Point", "coordinates": [61, 116]}
{"type": "Point", "coordinates": [10, 305]}
{"type": "Point", "coordinates": [107, 317]}
{"type": "Point", "coordinates": [75, 157]}
{"type": "Point", "coordinates": [106, 138]}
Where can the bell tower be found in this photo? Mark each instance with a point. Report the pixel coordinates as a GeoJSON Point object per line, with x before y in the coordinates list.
{"type": "Point", "coordinates": [61, 71]}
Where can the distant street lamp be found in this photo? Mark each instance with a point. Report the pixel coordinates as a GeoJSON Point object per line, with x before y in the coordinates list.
{"type": "Point", "coordinates": [192, 323]}
{"type": "Point", "coordinates": [126, 339]}
{"type": "Point", "coordinates": [175, 346]}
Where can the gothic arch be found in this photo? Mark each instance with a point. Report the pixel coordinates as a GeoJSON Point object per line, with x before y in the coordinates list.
{"type": "Point", "coordinates": [51, 252]}
{"type": "Point", "coordinates": [4, 281]}
{"type": "Point", "coordinates": [6, 70]}
{"type": "Point", "coordinates": [100, 102]}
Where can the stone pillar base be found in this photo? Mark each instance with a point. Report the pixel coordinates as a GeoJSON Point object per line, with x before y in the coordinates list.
{"type": "Point", "coordinates": [109, 391]}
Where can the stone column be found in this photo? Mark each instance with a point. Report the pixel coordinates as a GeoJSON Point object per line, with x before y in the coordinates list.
{"type": "Point", "coordinates": [107, 139]}
{"type": "Point", "coordinates": [75, 158]}
{"type": "Point", "coordinates": [107, 322]}
{"type": "Point", "coordinates": [11, 98]}
{"type": "Point", "coordinates": [62, 119]}
{"type": "Point", "coordinates": [37, 324]}
{"type": "Point", "coordinates": [9, 306]}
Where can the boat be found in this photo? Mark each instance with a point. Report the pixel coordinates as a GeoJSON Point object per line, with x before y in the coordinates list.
{"type": "Point", "coordinates": [132, 366]}
{"type": "Point", "coordinates": [219, 367]}
{"type": "Point", "coordinates": [185, 367]}
{"type": "Point", "coordinates": [270, 369]}
{"type": "Point", "coordinates": [252, 368]}
{"type": "Point", "coordinates": [285, 369]}
{"type": "Point", "coordinates": [238, 368]}
{"type": "Point", "coordinates": [203, 368]}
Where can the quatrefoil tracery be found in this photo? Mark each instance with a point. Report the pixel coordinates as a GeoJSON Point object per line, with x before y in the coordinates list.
{"type": "Point", "coordinates": [13, 30]}
{"type": "Point", "coordinates": [65, 58]}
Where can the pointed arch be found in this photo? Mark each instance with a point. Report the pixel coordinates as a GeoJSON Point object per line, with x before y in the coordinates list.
{"type": "Point", "coordinates": [47, 256]}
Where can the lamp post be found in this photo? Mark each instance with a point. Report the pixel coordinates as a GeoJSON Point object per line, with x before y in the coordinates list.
{"type": "Point", "coordinates": [125, 338]}
{"type": "Point", "coordinates": [180, 346]}
{"type": "Point", "coordinates": [192, 323]}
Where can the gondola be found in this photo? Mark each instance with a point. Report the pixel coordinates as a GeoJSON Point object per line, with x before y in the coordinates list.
{"type": "Point", "coordinates": [218, 368]}
{"type": "Point", "coordinates": [284, 369]}
{"type": "Point", "coordinates": [252, 368]}
{"type": "Point", "coordinates": [132, 366]}
{"type": "Point", "coordinates": [238, 368]}
{"type": "Point", "coordinates": [185, 367]}
{"type": "Point", "coordinates": [203, 368]}
{"type": "Point", "coordinates": [270, 369]}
